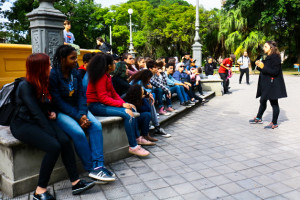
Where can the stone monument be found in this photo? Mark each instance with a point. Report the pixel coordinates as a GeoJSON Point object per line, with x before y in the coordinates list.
{"type": "Point", "coordinates": [46, 24]}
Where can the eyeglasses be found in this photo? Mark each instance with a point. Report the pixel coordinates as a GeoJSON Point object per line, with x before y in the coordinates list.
{"type": "Point", "coordinates": [130, 58]}
{"type": "Point", "coordinates": [181, 66]}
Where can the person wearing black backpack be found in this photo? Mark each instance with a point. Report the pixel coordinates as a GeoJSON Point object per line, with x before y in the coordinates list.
{"type": "Point", "coordinates": [35, 124]}
{"type": "Point", "coordinates": [102, 45]}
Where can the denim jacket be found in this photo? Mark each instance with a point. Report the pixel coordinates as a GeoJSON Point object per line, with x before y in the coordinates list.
{"type": "Point", "coordinates": [171, 80]}
{"type": "Point", "coordinates": [75, 106]}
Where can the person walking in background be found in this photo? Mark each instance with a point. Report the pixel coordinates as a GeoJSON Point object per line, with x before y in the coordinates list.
{"type": "Point", "coordinates": [244, 63]}
{"type": "Point", "coordinates": [271, 84]}
{"type": "Point", "coordinates": [223, 72]}
{"type": "Point", "coordinates": [68, 36]}
{"type": "Point", "coordinates": [35, 124]}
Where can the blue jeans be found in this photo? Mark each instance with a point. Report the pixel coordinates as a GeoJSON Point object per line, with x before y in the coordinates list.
{"type": "Point", "coordinates": [159, 96]}
{"type": "Point", "coordinates": [130, 123]}
{"type": "Point", "coordinates": [90, 155]}
{"type": "Point", "coordinates": [179, 89]}
{"type": "Point", "coordinates": [143, 122]}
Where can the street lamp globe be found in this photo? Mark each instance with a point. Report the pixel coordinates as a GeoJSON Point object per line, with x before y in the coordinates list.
{"type": "Point", "coordinates": [130, 11]}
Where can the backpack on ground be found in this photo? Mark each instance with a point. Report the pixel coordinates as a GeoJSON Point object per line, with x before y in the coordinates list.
{"type": "Point", "coordinates": [8, 105]}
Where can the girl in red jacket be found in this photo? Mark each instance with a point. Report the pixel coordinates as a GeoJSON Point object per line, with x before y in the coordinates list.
{"type": "Point", "coordinates": [103, 100]}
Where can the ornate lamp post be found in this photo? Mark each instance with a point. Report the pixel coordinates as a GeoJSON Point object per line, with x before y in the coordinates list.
{"type": "Point", "coordinates": [46, 24]}
{"type": "Point", "coordinates": [131, 48]}
{"type": "Point", "coordinates": [197, 53]}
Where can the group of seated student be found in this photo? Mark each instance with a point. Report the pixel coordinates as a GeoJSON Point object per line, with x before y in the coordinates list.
{"type": "Point", "coordinates": [61, 102]}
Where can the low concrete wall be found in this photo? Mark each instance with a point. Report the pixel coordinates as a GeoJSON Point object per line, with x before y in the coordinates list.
{"type": "Point", "coordinates": [20, 163]}
{"type": "Point", "coordinates": [13, 61]}
{"type": "Point", "coordinates": [214, 85]}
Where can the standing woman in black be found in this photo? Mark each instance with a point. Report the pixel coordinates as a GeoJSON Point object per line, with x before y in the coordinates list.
{"type": "Point", "coordinates": [35, 124]}
{"type": "Point", "coordinates": [270, 83]}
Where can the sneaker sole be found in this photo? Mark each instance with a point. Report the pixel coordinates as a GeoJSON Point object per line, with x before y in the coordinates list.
{"type": "Point", "coordinates": [153, 144]}
{"type": "Point", "coordinates": [166, 136]}
{"type": "Point", "coordinates": [102, 179]}
{"type": "Point", "coordinates": [139, 154]}
{"type": "Point", "coordinates": [98, 182]}
{"type": "Point", "coordinates": [79, 191]}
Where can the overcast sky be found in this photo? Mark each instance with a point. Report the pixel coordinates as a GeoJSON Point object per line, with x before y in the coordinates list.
{"type": "Point", "coordinates": [208, 4]}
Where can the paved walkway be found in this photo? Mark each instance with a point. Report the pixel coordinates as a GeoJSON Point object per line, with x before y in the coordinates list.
{"type": "Point", "coordinates": [214, 154]}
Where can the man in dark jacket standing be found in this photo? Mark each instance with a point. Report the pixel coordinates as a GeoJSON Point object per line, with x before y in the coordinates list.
{"type": "Point", "coordinates": [102, 45]}
{"type": "Point", "coordinates": [271, 84]}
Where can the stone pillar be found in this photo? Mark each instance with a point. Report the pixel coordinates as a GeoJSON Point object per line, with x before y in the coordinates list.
{"type": "Point", "coordinates": [197, 52]}
{"type": "Point", "coordinates": [46, 24]}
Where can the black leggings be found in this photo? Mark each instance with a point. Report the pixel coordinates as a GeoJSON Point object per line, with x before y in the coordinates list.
{"type": "Point", "coordinates": [53, 142]}
{"type": "Point", "coordinates": [263, 106]}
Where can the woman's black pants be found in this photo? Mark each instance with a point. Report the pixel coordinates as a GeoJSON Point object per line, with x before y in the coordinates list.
{"type": "Point", "coordinates": [53, 141]}
{"type": "Point", "coordinates": [275, 107]}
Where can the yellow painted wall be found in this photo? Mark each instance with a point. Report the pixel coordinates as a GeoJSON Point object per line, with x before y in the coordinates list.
{"type": "Point", "coordinates": [13, 60]}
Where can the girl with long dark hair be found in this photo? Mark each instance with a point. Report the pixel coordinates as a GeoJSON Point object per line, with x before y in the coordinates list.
{"type": "Point", "coordinates": [73, 115]}
{"type": "Point", "coordinates": [35, 124]}
{"type": "Point", "coordinates": [142, 78]}
{"type": "Point", "coordinates": [138, 98]}
{"type": "Point", "coordinates": [271, 84]}
{"type": "Point", "coordinates": [103, 100]}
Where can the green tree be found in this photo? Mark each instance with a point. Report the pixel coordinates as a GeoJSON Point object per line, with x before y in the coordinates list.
{"type": "Point", "coordinates": [276, 19]}
{"type": "Point", "coordinates": [79, 13]}
{"type": "Point", "coordinates": [236, 36]}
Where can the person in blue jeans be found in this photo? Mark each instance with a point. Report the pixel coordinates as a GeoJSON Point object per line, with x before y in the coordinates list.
{"type": "Point", "coordinates": [142, 78]}
{"type": "Point", "coordinates": [136, 96]}
{"type": "Point", "coordinates": [176, 86]}
{"type": "Point", "coordinates": [103, 100]}
{"type": "Point", "coordinates": [73, 116]}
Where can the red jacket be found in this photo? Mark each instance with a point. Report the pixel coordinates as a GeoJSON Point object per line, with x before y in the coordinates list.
{"type": "Point", "coordinates": [227, 63]}
{"type": "Point", "coordinates": [103, 92]}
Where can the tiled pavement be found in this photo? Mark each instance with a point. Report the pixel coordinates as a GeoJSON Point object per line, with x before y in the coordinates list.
{"type": "Point", "coordinates": [214, 154]}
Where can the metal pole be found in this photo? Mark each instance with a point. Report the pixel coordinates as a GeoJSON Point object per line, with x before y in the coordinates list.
{"type": "Point", "coordinates": [197, 38]}
{"type": "Point", "coordinates": [110, 39]}
{"type": "Point", "coordinates": [197, 53]}
{"type": "Point", "coordinates": [131, 48]}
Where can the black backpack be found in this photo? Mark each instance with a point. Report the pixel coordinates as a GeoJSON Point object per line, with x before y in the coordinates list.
{"type": "Point", "coordinates": [8, 105]}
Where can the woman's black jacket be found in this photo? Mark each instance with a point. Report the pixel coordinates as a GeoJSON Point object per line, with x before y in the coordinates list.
{"type": "Point", "coordinates": [271, 83]}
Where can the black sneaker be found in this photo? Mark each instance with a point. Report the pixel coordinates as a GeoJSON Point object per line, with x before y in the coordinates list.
{"type": "Point", "coordinates": [109, 172]}
{"type": "Point", "coordinates": [186, 104]}
{"type": "Point", "coordinates": [82, 186]}
{"type": "Point", "coordinates": [44, 196]}
{"type": "Point", "coordinates": [161, 132]}
{"type": "Point", "coordinates": [191, 103]}
{"type": "Point", "coordinates": [102, 174]}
